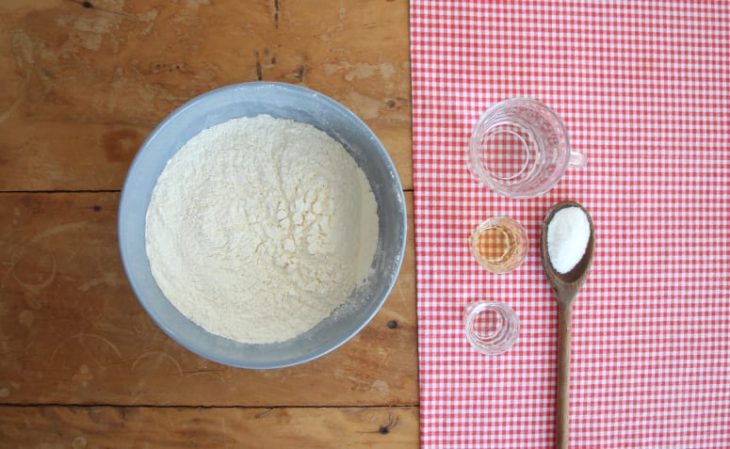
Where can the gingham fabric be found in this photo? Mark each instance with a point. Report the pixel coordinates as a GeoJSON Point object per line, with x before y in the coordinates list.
{"type": "Point", "coordinates": [644, 90]}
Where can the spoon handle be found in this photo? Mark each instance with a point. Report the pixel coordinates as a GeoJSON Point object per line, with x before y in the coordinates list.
{"type": "Point", "coordinates": [562, 417]}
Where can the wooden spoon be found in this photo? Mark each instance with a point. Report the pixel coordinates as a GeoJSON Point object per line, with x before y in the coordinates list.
{"type": "Point", "coordinates": [566, 286]}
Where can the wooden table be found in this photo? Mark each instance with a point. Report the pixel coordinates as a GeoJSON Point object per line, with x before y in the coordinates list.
{"type": "Point", "coordinates": [81, 364]}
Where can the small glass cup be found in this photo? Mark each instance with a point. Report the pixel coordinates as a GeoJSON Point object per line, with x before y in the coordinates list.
{"type": "Point", "coordinates": [499, 244]}
{"type": "Point", "coordinates": [492, 328]}
{"type": "Point", "coordinates": [520, 148]}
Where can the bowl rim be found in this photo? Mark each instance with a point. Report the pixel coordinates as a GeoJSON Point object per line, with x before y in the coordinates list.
{"type": "Point", "coordinates": [126, 258]}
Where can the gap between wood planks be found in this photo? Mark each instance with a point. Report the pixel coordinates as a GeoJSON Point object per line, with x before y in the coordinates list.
{"type": "Point", "coordinates": [63, 191]}
{"type": "Point", "coordinates": [189, 406]}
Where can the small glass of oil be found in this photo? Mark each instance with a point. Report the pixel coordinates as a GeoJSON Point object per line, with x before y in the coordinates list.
{"type": "Point", "coordinates": [499, 244]}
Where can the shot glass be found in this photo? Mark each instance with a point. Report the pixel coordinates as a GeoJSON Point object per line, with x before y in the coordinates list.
{"type": "Point", "coordinates": [520, 149]}
{"type": "Point", "coordinates": [491, 328]}
{"type": "Point", "coordinates": [499, 244]}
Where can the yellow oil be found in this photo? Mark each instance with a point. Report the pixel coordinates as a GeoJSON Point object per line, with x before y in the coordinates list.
{"type": "Point", "coordinates": [494, 244]}
{"type": "Point", "coordinates": [499, 244]}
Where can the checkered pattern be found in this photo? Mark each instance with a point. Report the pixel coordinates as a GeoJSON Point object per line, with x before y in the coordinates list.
{"type": "Point", "coordinates": [508, 153]}
{"type": "Point", "coordinates": [492, 244]}
{"type": "Point", "coordinates": [644, 89]}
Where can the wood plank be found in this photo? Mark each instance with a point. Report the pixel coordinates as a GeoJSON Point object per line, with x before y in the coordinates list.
{"type": "Point", "coordinates": [71, 331]}
{"type": "Point", "coordinates": [83, 86]}
{"type": "Point", "coordinates": [115, 427]}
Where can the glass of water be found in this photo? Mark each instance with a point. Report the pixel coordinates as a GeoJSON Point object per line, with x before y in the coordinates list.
{"type": "Point", "coordinates": [520, 148]}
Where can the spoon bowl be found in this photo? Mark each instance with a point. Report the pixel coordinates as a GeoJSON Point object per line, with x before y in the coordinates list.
{"type": "Point", "coordinates": [566, 286]}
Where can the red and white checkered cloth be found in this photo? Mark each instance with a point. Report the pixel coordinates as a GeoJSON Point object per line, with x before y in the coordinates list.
{"type": "Point", "coordinates": [644, 89]}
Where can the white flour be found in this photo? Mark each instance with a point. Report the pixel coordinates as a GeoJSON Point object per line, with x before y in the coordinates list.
{"type": "Point", "coordinates": [258, 228]}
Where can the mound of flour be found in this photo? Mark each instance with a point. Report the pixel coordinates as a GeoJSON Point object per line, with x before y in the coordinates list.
{"type": "Point", "coordinates": [258, 228]}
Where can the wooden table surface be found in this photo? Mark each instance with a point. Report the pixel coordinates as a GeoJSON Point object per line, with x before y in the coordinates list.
{"type": "Point", "coordinates": [83, 83]}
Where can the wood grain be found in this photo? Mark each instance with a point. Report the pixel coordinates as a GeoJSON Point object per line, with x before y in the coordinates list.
{"type": "Point", "coordinates": [82, 86]}
{"type": "Point", "coordinates": [71, 331]}
{"type": "Point", "coordinates": [562, 396]}
{"type": "Point", "coordinates": [124, 427]}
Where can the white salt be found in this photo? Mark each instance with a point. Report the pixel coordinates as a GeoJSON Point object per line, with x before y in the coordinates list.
{"type": "Point", "coordinates": [567, 238]}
